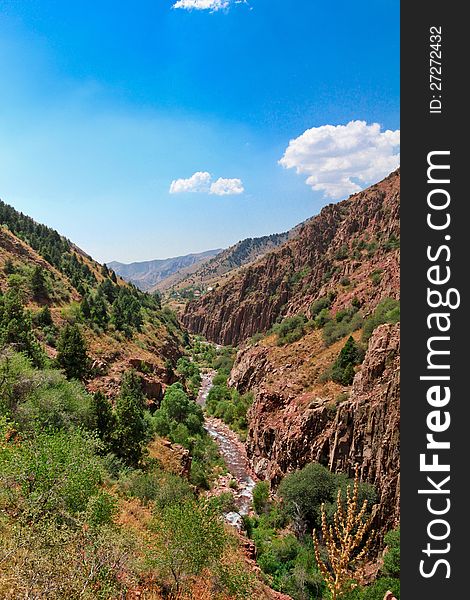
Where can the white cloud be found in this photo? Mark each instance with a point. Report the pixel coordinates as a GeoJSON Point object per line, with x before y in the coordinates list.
{"type": "Point", "coordinates": [199, 182]}
{"type": "Point", "coordinates": [213, 5]}
{"type": "Point", "coordinates": [342, 159]}
{"type": "Point", "coordinates": [227, 187]}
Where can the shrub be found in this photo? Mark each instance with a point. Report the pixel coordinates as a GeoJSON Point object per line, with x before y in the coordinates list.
{"type": "Point", "coordinates": [376, 276]}
{"type": "Point", "coordinates": [391, 557]}
{"type": "Point", "coordinates": [41, 398]}
{"type": "Point", "coordinates": [191, 538]}
{"type": "Point", "coordinates": [387, 311]}
{"type": "Point", "coordinates": [346, 322]}
{"type": "Point", "coordinates": [261, 496]}
{"type": "Point", "coordinates": [290, 329]}
{"type": "Point", "coordinates": [52, 474]}
{"type": "Point", "coordinates": [172, 489]}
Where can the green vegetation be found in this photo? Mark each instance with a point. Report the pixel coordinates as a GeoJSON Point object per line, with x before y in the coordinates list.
{"type": "Point", "coordinates": [342, 370]}
{"type": "Point", "coordinates": [283, 526]}
{"type": "Point", "coordinates": [68, 459]}
{"type": "Point", "coordinates": [72, 353]}
{"type": "Point", "coordinates": [345, 322]}
{"type": "Point", "coordinates": [228, 404]}
{"type": "Point", "coordinates": [189, 374]}
{"type": "Point", "coordinates": [387, 311]}
{"type": "Point", "coordinates": [16, 327]}
{"type": "Point", "coordinates": [290, 329]}
{"type": "Point", "coordinates": [130, 427]}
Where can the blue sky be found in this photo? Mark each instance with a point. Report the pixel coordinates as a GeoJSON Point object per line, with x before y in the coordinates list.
{"type": "Point", "coordinates": [105, 104]}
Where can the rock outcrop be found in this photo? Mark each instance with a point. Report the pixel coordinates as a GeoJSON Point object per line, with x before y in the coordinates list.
{"type": "Point", "coordinates": [289, 429]}
{"type": "Point", "coordinates": [351, 245]}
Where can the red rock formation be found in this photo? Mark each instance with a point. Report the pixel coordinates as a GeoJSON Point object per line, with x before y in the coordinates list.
{"type": "Point", "coordinates": [351, 239]}
{"type": "Point", "coordinates": [289, 429]}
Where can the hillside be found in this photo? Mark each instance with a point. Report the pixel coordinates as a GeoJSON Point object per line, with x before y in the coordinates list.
{"type": "Point", "coordinates": [316, 321]}
{"type": "Point", "coordinates": [190, 283]}
{"type": "Point", "coordinates": [149, 274]}
{"type": "Point", "coordinates": [77, 289]}
{"type": "Point", "coordinates": [350, 248]}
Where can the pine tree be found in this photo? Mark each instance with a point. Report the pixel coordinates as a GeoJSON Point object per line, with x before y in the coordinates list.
{"type": "Point", "coordinates": [16, 329]}
{"type": "Point", "coordinates": [38, 283]}
{"type": "Point", "coordinates": [130, 431]}
{"type": "Point", "coordinates": [85, 308]}
{"type": "Point", "coordinates": [72, 353]}
{"type": "Point", "coordinates": [103, 416]}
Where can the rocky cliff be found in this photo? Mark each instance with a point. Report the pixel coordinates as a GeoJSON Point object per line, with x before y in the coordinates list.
{"type": "Point", "coordinates": [351, 245]}
{"type": "Point", "coordinates": [290, 427]}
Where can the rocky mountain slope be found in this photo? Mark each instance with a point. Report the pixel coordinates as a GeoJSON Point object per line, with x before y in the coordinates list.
{"type": "Point", "coordinates": [149, 274]}
{"type": "Point", "coordinates": [224, 265]}
{"type": "Point", "coordinates": [68, 275]}
{"type": "Point", "coordinates": [296, 419]}
{"type": "Point", "coordinates": [350, 247]}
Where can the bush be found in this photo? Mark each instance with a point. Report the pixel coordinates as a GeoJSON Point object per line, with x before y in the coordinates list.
{"type": "Point", "coordinates": [191, 538]}
{"type": "Point", "coordinates": [172, 489]}
{"type": "Point", "coordinates": [387, 311]}
{"type": "Point", "coordinates": [53, 474]}
{"type": "Point", "coordinates": [290, 329]}
{"type": "Point", "coordinates": [391, 557]}
{"type": "Point", "coordinates": [261, 496]}
{"type": "Point", "coordinates": [379, 588]}
{"type": "Point", "coordinates": [346, 321]}
{"type": "Point", "coordinates": [41, 398]}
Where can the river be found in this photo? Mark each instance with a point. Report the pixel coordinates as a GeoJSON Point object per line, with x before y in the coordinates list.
{"type": "Point", "coordinates": [233, 452]}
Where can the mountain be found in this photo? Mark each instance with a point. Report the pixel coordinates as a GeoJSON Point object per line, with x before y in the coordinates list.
{"type": "Point", "coordinates": [195, 281]}
{"type": "Point", "coordinates": [123, 327]}
{"type": "Point", "coordinates": [147, 275]}
{"type": "Point", "coordinates": [332, 287]}
{"type": "Point", "coordinates": [350, 248]}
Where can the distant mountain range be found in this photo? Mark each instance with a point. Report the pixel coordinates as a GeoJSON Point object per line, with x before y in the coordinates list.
{"type": "Point", "coordinates": [146, 275]}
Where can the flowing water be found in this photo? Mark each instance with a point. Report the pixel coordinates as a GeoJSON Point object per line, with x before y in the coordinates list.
{"type": "Point", "coordinates": [233, 452]}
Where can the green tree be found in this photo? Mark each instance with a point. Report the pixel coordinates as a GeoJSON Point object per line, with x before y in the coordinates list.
{"type": "Point", "coordinates": [177, 409]}
{"type": "Point", "coordinates": [191, 538]}
{"type": "Point", "coordinates": [99, 309]}
{"type": "Point", "coordinates": [103, 417]}
{"type": "Point", "coordinates": [72, 352]}
{"type": "Point", "coordinates": [85, 308]}
{"type": "Point", "coordinates": [303, 493]}
{"type": "Point", "coordinates": [261, 496]}
{"type": "Point", "coordinates": [130, 430]}
{"type": "Point", "coordinates": [343, 368]}
{"type": "Point", "coordinates": [38, 283]}
{"type": "Point", "coordinates": [44, 317]}
{"type": "Point", "coordinates": [15, 327]}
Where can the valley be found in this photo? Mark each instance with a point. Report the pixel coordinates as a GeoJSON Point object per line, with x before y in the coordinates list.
{"type": "Point", "coordinates": [225, 433]}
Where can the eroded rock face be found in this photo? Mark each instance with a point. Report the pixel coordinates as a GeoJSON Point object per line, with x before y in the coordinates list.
{"type": "Point", "coordinates": [353, 240]}
{"type": "Point", "coordinates": [287, 430]}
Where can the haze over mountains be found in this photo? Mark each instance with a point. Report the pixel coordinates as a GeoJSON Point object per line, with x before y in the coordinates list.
{"type": "Point", "coordinates": [148, 274]}
{"type": "Point", "coordinates": [199, 271]}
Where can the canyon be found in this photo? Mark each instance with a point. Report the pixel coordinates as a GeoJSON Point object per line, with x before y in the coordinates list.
{"type": "Point", "coordinates": [349, 252]}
